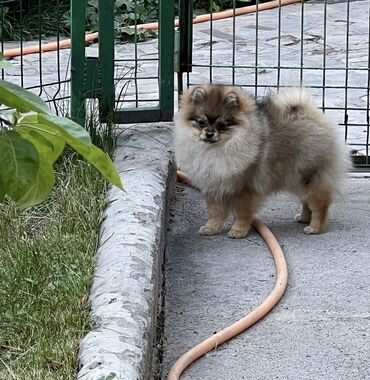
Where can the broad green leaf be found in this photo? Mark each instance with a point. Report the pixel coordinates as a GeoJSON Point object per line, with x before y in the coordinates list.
{"type": "Point", "coordinates": [48, 145]}
{"type": "Point", "coordinates": [66, 125]}
{"type": "Point", "coordinates": [100, 160]}
{"type": "Point", "coordinates": [73, 137]}
{"type": "Point", "coordinates": [77, 138]}
{"type": "Point", "coordinates": [43, 146]}
{"type": "Point", "coordinates": [14, 96]}
{"type": "Point", "coordinates": [41, 186]}
{"type": "Point", "coordinates": [19, 164]}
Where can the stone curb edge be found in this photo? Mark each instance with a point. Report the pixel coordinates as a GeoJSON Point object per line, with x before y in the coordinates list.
{"type": "Point", "coordinates": [127, 279]}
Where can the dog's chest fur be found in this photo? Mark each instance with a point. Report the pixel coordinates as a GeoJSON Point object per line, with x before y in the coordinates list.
{"type": "Point", "coordinates": [218, 171]}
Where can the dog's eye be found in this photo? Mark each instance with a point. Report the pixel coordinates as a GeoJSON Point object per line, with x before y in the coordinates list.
{"type": "Point", "coordinates": [222, 126]}
{"type": "Point", "coordinates": [201, 123]}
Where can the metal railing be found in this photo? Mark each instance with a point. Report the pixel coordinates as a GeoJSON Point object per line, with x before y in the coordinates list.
{"type": "Point", "coordinates": [118, 77]}
{"type": "Point", "coordinates": [323, 45]}
{"type": "Point", "coordinates": [46, 74]}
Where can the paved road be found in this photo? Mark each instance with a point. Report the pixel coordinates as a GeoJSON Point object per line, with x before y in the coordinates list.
{"type": "Point", "coordinates": [321, 328]}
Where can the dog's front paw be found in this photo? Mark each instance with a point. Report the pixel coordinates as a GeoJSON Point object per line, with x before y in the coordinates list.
{"type": "Point", "coordinates": [302, 219]}
{"type": "Point", "coordinates": [237, 234]}
{"type": "Point", "coordinates": [208, 231]}
{"type": "Point", "coordinates": [309, 230]}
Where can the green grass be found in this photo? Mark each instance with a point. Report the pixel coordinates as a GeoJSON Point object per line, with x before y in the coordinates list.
{"type": "Point", "coordinates": [46, 262]}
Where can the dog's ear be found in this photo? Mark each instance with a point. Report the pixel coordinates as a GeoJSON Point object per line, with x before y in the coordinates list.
{"type": "Point", "coordinates": [232, 99]}
{"type": "Point", "coordinates": [198, 95]}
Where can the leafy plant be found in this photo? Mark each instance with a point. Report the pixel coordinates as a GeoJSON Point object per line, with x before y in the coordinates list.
{"type": "Point", "coordinates": [29, 19]}
{"type": "Point", "coordinates": [32, 139]}
{"type": "Point", "coordinates": [126, 14]}
{"type": "Point", "coordinates": [206, 6]}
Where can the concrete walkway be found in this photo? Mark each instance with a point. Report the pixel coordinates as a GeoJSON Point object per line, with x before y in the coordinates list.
{"type": "Point", "coordinates": [321, 328]}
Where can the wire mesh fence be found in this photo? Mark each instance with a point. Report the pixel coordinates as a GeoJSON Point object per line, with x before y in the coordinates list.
{"type": "Point", "coordinates": [323, 45]}
{"type": "Point", "coordinates": [133, 81]}
{"type": "Point", "coordinates": [137, 74]}
{"type": "Point", "coordinates": [25, 26]}
{"type": "Point", "coordinates": [147, 68]}
{"type": "Point", "coordinates": [28, 27]}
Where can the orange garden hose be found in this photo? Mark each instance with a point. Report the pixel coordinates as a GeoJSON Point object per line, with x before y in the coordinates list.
{"type": "Point", "coordinates": [244, 323]}
{"type": "Point", "coordinates": [51, 46]}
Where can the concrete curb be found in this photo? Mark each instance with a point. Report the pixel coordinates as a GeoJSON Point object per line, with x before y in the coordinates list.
{"type": "Point", "coordinates": [127, 280]}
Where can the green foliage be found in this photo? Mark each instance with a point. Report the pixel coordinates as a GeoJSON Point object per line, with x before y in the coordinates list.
{"type": "Point", "coordinates": [32, 140]}
{"type": "Point", "coordinates": [129, 12]}
{"type": "Point", "coordinates": [47, 256]}
{"type": "Point", "coordinates": [126, 13]}
{"type": "Point", "coordinates": [206, 6]}
{"type": "Point", "coordinates": [16, 97]}
{"type": "Point", "coordinates": [34, 19]}
{"type": "Point", "coordinates": [30, 19]}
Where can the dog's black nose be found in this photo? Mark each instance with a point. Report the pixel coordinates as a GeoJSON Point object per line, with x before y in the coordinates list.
{"type": "Point", "coordinates": [209, 135]}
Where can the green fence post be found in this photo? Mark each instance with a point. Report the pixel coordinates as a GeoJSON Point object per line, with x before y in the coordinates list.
{"type": "Point", "coordinates": [78, 9]}
{"type": "Point", "coordinates": [185, 41]}
{"type": "Point", "coordinates": [106, 59]}
{"type": "Point", "coordinates": [166, 58]}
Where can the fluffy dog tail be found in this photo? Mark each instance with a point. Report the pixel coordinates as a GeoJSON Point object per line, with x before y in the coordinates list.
{"type": "Point", "coordinates": [296, 107]}
{"type": "Point", "coordinates": [293, 101]}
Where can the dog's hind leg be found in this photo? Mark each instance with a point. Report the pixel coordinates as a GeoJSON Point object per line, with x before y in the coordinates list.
{"type": "Point", "coordinates": [305, 215]}
{"type": "Point", "coordinates": [318, 202]}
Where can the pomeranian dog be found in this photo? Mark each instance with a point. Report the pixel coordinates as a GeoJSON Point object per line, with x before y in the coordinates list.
{"type": "Point", "coordinates": [237, 151]}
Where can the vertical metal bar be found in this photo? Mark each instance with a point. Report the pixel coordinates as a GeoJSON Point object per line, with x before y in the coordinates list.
{"type": "Point", "coordinates": [57, 92]}
{"type": "Point", "coordinates": [166, 66]}
{"type": "Point", "coordinates": [211, 41]}
{"type": "Point", "coordinates": [189, 55]}
{"type": "Point", "coordinates": [347, 75]}
{"type": "Point", "coordinates": [40, 43]}
{"type": "Point", "coordinates": [279, 47]}
{"type": "Point", "coordinates": [106, 58]}
{"type": "Point", "coordinates": [256, 54]}
{"type": "Point", "coordinates": [367, 162]}
{"type": "Point", "coordinates": [78, 9]}
{"type": "Point", "coordinates": [186, 41]}
{"type": "Point", "coordinates": [136, 61]}
{"type": "Point", "coordinates": [324, 57]}
{"type": "Point", "coordinates": [302, 39]}
{"type": "Point", "coordinates": [2, 35]}
{"type": "Point", "coordinates": [21, 41]}
{"type": "Point", "coordinates": [233, 42]}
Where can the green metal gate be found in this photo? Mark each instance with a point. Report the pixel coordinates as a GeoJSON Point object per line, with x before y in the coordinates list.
{"type": "Point", "coordinates": [320, 44]}
{"type": "Point", "coordinates": [95, 77]}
